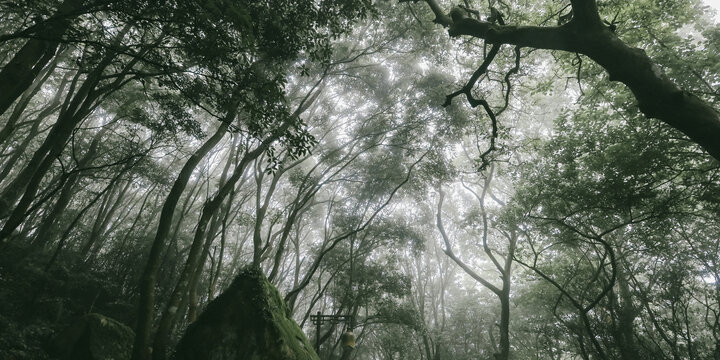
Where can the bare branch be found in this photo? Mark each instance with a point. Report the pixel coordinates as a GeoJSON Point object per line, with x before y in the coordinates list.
{"type": "Point", "coordinates": [448, 250]}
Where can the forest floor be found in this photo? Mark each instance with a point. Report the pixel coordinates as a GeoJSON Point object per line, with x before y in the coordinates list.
{"type": "Point", "coordinates": [36, 303]}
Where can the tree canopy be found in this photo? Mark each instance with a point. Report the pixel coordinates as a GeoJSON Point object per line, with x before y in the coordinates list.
{"type": "Point", "coordinates": [502, 179]}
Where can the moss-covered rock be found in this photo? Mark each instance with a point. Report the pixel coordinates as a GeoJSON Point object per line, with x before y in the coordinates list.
{"type": "Point", "coordinates": [248, 321]}
{"type": "Point", "coordinates": [94, 337]}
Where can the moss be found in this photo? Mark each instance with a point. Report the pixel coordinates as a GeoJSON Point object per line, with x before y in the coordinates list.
{"type": "Point", "coordinates": [248, 321]}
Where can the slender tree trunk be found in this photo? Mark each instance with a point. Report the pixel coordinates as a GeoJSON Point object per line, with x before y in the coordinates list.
{"type": "Point", "coordinates": [260, 211]}
{"type": "Point", "coordinates": [24, 67]}
{"type": "Point", "coordinates": [214, 227]}
{"type": "Point", "coordinates": [171, 310]}
{"type": "Point", "coordinates": [81, 105]}
{"type": "Point", "coordinates": [27, 182]}
{"type": "Point", "coordinates": [45, 232]}
{"type": "Point", "coordinates": [97, 236]}
{"type": "Point", "coordinates": [130, 230]}
{"type": "Point", "coordinates": [141, 350]}
{"type": "Point", "coordinates": [626, 311]}
{"type": "Point", "coordinates": [68, 230]}
{"type": "Point", "coordinates": [33, 132]}
{"type": "Point", "coordinates": [219, 262]}
{"type": "Point", "coordinates": [22, 104]}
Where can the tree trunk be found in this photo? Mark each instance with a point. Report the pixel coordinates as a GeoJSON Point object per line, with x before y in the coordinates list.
{"type": "Point", "coordinates": [22, 104]}
{"type": "Point", "coordinates": [141, 350]}
{"type": "Point", "coordinates": [45, 232]}
{"type": "Point", "coordinates": [33, 132]}
{"type": "Point", "coordinates": [171, 310]}
{"type": "Point", "coordinates": [626, 318]}
{"type": "Point", "coordinates": [105, 215]}
{"type": "Point", "coordinates": [23, 68]}
{"type": "Point", "coordinates": [68, 230]}
{"type": "Point", "coordinates": [27, 182]}
{"type": "Point", "coordinates": [214, 227]}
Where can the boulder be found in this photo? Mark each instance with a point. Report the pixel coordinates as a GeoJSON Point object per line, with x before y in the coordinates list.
{"type": "Point", "coordinates": [94, 337]}
{"type": "Point", "coordinates": [248, 321]}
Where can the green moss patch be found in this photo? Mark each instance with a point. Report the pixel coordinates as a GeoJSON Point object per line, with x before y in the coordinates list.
{"type": "Point", "coordinates": [248, 321]}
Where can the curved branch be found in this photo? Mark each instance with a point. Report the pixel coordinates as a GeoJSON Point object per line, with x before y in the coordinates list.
{"type": "Point", "coordinates": [448, 250]}
{"type": "Point", "coordinates": [657, 96]}
{"type": "Point", "coordinates": [467, 89]}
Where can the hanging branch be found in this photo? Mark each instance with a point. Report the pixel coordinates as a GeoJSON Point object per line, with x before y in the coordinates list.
{"type": "Point", "coordinates": [467, 89]}
{"type": "Point", "coordinates": [508, 84]}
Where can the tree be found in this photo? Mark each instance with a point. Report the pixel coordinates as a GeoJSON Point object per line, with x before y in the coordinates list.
{"type": "Point", "coordinates": [583, 31]}
{"type": "Point", "coordinates": [603, 229]}
{"type": "Point", "coordinates": [502, 266]}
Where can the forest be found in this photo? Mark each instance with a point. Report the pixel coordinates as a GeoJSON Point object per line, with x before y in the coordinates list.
{"type": "Point", "coordinates": [359, 179]}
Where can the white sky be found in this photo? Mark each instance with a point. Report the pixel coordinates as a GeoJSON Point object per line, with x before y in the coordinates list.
{"type": "Point", "coordinates": [715, 4]}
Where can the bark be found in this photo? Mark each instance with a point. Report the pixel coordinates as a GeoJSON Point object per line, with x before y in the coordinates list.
{"type": "Point", "coordinates": [330, 244]}
{"type": "Point", "coordinates": [657, 96]}
{"type": "Point", "coordinates": [146, 303]}
{"type": "Point", "coordinates": [260, 211]}
{"type": "Point", "coordinates": [299, 205]}
{"type": "Point", "coordinates": [217, 261]}
{"type": "Point", "coordinates": [24, 101]}
{"type": "Point", "coordinates": [33, 132]}
{"type": "Point", "coordinates": [18, 74]}
{"type": "Point", "coordinates": [214, 227]}
{"type": "Point", "coordinates": [131, 230]}
{"type": "Point", "coordinates": [504, 268]}
{"type": "Point", "coordinates": [626, 315]}
{"type": "Point", "coordinates": [76, 108]}
{"type": "Point", "coordinates": [68, 230]}
{"type": "Point", "coordinates": [105, 215]}
{"type": "Point", "coordinates": [29, 179]}
{"type": "Point", "coordinates": [171, 310]}
{"type": "Point", "coordinates": [45, 232]}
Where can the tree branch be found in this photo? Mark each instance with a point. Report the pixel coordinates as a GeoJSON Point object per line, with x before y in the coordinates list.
{"type": "Point", "coordinates": [448, 250]}
{"type": "Point", "coordinates": [657, 96]}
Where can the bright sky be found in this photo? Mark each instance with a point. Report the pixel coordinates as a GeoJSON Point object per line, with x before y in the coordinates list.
{"type": "Point", "coordinates": [716, 5]}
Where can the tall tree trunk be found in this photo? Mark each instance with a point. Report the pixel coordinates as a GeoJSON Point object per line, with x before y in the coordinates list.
{"type": "Point", "coordinates": [68, 230]}
{"type": "Point", "coordinates": [219, 262]}
{"type": "Point", "coordinates": [33, 132]}
{"type": "Point", "coordinates": [81, 105]}
{"type": "Point", "coordinates": [626, 315]}
{"type": "Point", "coordinates": [260, 211]}
{"type": "Point", "coordinates": [141, 349]}
{"type": "Point", "coordinates": [122, 243]}
{"type": "Point", "coordinates": [22, 104]}
{"type": "Point", "coordinates": [45, 233]}
{"type": "Point", "coordinates": [214, 227]}
{"type": "Point", "coordinates": [27, 182]}
{"type": "Point", "coordinates": [97, 236]}
{"type": "Point", "coordinates": [24, 67]}
{"type": "Point", "coordinates": [172, 308]}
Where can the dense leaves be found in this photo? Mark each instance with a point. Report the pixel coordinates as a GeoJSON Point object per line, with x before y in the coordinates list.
{"type": "Point", "coordinates": [150, 149]}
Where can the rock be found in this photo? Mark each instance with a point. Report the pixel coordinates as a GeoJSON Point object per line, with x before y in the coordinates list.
{"type": "Point", "coordinates": [94, 337]}
{"type": "Point", "coordinates": [248, 321]}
